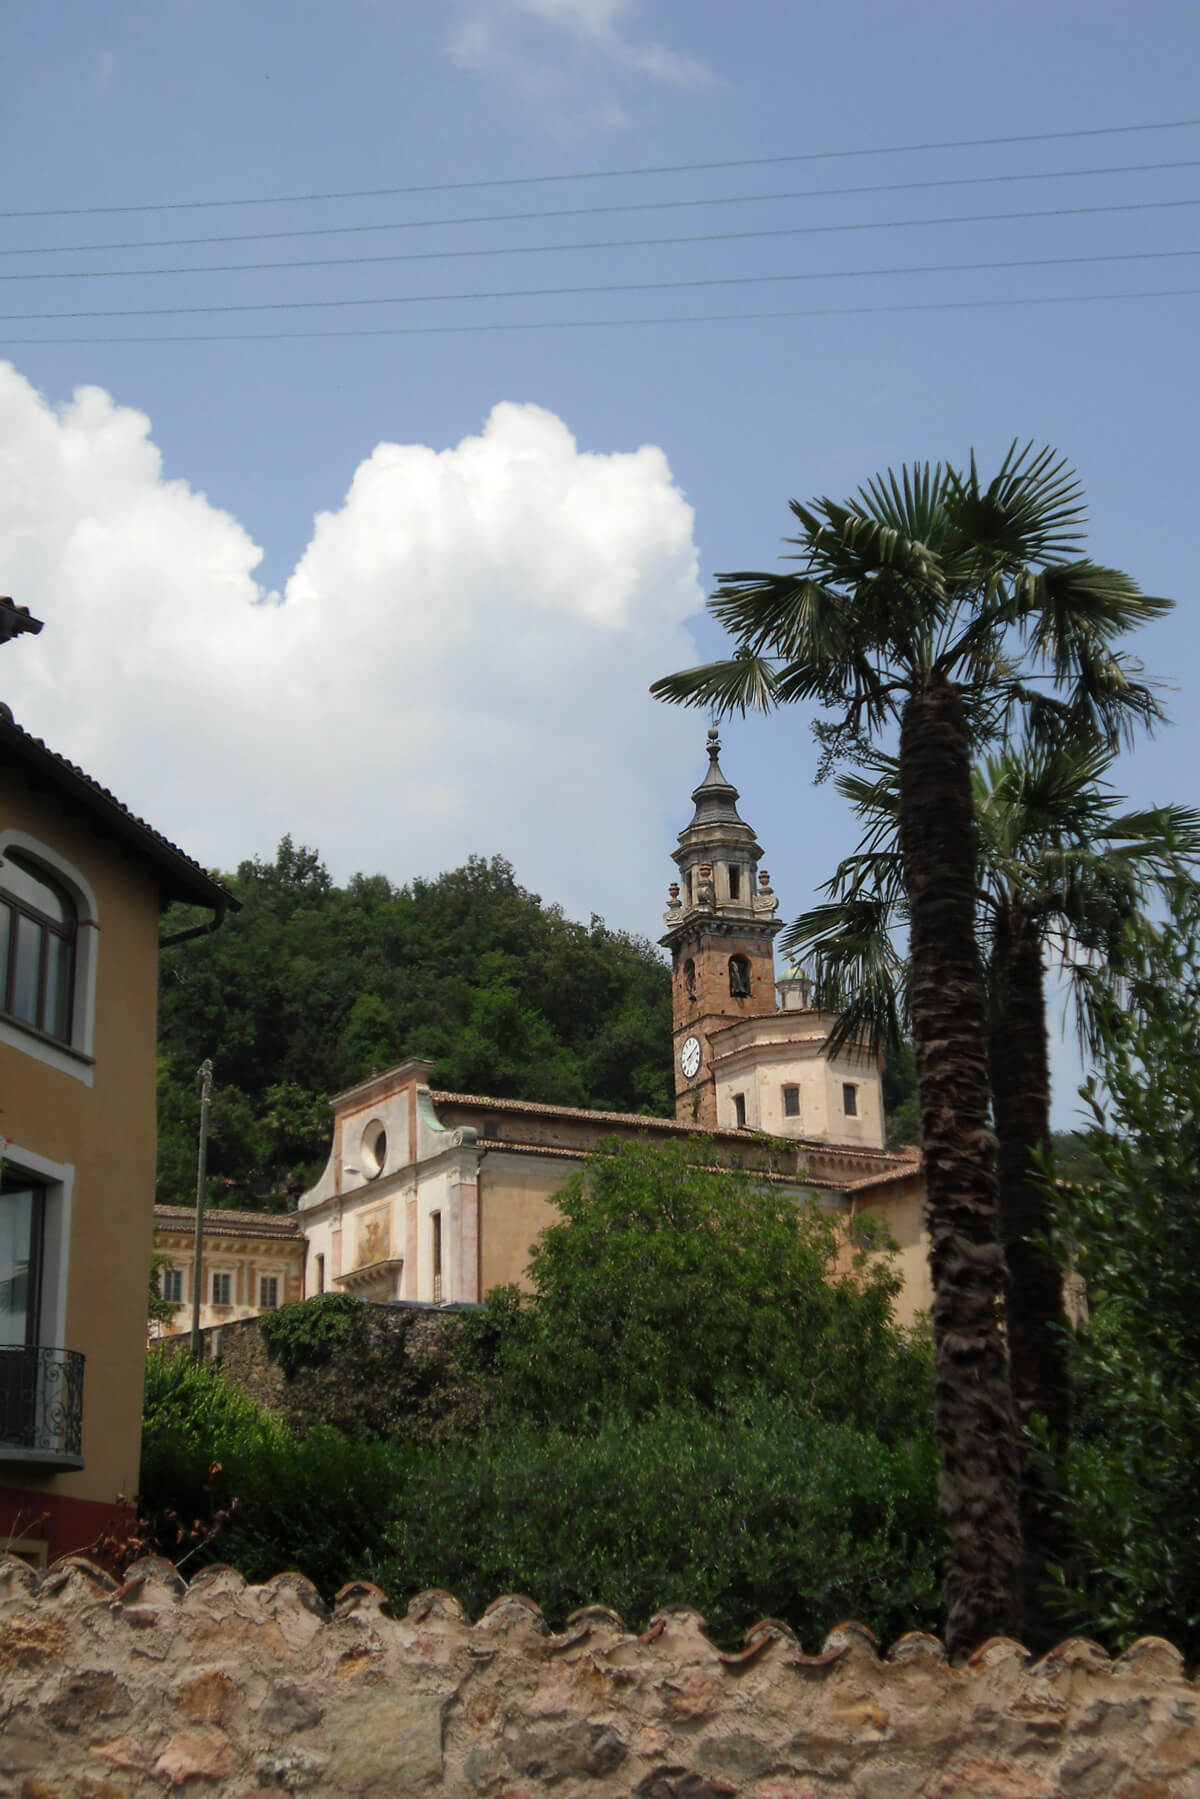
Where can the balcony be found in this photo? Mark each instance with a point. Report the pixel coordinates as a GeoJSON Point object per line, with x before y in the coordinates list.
{"type": "Point", "coordinates": [41, 1407]}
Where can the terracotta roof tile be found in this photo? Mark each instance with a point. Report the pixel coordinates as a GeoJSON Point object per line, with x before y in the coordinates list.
{"type": "Point", "coordinates": [220, 1221]}
{"type": "Point", "coordinates": [559, 1153]}
{"type": "Point", "coordinates": [651, 1122]}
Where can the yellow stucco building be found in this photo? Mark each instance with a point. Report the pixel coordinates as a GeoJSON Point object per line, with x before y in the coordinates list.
{"type": "Point", "coordinates": [253, 1263]}
{"type": "Point", "coordinates": [82, 886]}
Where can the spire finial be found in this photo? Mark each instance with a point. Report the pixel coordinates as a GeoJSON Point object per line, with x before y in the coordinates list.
{"type": "Point", "coordinates": [714, 743]}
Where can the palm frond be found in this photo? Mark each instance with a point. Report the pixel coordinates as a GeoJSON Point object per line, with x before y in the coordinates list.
{"type": "Point", "coordinates": [742, 684]}
{"type": "Point", "coordinates": [1033, 510]}
{"type": "Point", "coordinates": [911, 502]}
{"type": "Point", "coordinates": [1073, 609]}
{"type": "Point", "coordinates": [858, 976]}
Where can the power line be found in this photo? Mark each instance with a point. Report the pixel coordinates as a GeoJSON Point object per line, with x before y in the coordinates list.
{"type": "Point", "coordinates": [610, 287]}
{"type": "Point", "coordinates": [694, 318]}
{"type": "Point", "coordinates": [616, 243]}
{"type": "Point", "coordinates": [578, 212]}
{"type": "Point", "coordinates": [680, 168]}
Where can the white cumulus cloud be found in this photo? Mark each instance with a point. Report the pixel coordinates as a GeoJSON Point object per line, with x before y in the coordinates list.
{"type": "Point", "coordinates": [458, 662]}
{"type": "Point", "coordinates": [552, 51]}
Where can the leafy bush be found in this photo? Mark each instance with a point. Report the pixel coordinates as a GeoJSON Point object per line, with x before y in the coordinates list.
{"type": "Point", "coordinates": [673, 1282]}
{"type": "Point", "coordinates": [305, 1333]}
{"type": "Point", "coordinates": [316, 1503]}
{"type": "Point", "coordinates": [760, 1509]}
{"type": "Point", "coordinates": [1133, 1224]}
{"type": "Point", "coordinates": [763, 1510]}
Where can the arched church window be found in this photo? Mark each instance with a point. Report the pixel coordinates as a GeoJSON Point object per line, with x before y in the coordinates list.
{"type": "Point", "coordinates": [37, 947]}
{"type": "Point", "coordinates": [739, 978]}
{"type": "Point", "coordinates": [689, 978]}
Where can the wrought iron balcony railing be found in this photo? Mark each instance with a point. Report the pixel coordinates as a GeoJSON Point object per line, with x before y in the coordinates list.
{"type": "Point", "coordinates": [41, 1404]}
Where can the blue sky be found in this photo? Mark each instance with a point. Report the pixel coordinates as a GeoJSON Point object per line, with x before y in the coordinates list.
{"type": "Point", "coordinates": [402, 594]}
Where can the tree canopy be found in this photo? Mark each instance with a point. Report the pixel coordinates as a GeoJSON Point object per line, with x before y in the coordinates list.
{"type": "Point", "coordinates": [1131, 1224]}
{"type": "Point", "coordinates": [672, 1281]}
{"type": "Point", "coordinates": [311, 987]}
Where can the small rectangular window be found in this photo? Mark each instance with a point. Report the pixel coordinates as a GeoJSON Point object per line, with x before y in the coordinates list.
{"type": "Point", "coordinates": [320, 1274]}
{"type": "Point", "coordinates": [791, 1102]}
{"type": "Point", "coordinates": [268, 1292]}
{"type": "Point", "coordinates": [849, 1099]}
{"type": "Point", "coordinates": [172, 1286]}
{"type": "Point", "coordinates": [222, 1289]}
{"type": "Point", "coordinates": [735, 881]}
{"type": "Point", "coordinates": [739, 1110]}
{"type": "Point", "coordinates": [436, 1222]}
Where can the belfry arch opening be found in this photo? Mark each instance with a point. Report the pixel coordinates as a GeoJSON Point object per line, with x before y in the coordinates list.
{"type": "Point", "coordinates": [739, 978]}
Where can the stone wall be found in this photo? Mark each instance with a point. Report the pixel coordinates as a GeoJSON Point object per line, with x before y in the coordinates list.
{"type": "Point", "coordinates": [394, 1373]}
{"type": "Point", "coordinates": [114, 1691]}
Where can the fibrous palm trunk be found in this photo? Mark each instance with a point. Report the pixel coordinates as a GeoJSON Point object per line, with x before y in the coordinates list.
{"type": "Point", "coordinates": [1037, 1345]}
{"type": "Point", "coordinates": [974, 1421]}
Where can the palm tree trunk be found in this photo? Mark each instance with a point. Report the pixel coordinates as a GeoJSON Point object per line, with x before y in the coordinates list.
{"type": "Point", "coordinates": [1037, 1344]}
{"type": "Point", "coordinates": [974, 1421]}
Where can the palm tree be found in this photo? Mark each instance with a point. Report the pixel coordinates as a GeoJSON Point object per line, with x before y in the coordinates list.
{"type": "Point", "coordinates": [932, 601]}
{"type": "Point", "coordinates": [1060, 868]}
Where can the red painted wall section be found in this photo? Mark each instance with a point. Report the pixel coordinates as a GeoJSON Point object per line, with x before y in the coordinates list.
{"type": "Point", "coordinates": [66, 1526]}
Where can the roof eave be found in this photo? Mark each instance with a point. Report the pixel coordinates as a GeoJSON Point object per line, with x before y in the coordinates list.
{"type": "Point", "coordinates": [179, 878]}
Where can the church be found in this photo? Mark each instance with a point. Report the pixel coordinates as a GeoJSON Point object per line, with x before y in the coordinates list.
{"type": "Point", "coordinates": [438, 1197]}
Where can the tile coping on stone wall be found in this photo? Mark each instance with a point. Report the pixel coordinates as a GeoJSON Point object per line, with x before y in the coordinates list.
{"type": "Point", "coordinates": [123, 1689]}
{"type": "Point", "coordinates": [155, 1580]}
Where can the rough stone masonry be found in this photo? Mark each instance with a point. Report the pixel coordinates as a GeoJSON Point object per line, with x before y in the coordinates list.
{"type": "Point", "coordinates": [156, 1686]}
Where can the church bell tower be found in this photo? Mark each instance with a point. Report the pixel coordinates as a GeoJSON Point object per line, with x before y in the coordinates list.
{"type": "Point", "coordinates": [721, 928]}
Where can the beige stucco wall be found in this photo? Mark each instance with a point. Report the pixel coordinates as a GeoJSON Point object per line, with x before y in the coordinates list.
{"type": "Point", "coordinates": [515, 1207]}
{"type": "Point", "coordinates": [901, 1206]}
{"type": "Point", "coordinates": [104, 1133]}
{"type": "Point", "coordinates": [758, 1057]}
{"type": "Point", "coordinates": [238, 1691]}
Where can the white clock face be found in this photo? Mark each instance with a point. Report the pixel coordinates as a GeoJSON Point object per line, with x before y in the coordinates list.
{"type": "Point", "coordinates": [689, 1057]}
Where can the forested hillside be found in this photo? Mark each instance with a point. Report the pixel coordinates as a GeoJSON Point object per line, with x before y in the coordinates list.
{"type": "Point", "coordinates": [311, 987]}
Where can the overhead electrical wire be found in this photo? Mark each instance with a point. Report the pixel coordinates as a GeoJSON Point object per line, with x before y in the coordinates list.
{"type": "Point", "coordinates": [577, 212]}
{"type": "Point", "coordinates": [682, 168]}
{"type": "Point", "coordinates": [693, 318]}
{"type": "Point", "coordinates": [608, 287]}
{"type": "Point", "coordinates": [617, 243]}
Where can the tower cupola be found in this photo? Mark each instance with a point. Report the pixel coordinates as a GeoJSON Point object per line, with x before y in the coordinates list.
{"type": "Point", "coordinates": [721, 927]}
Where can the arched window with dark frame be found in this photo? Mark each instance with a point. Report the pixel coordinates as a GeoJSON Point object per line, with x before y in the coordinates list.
{"type": "Point", "coordinates": [38, 923]}
{"type": "Point", "coordinates": [689, 978]}
{"type": "Point", "coordinates": [739, 977]}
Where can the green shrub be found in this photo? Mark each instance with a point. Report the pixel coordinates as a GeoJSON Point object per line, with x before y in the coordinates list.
{"type": "Point", "coordinates": [1133, 1225]}
{"type": "Point", "coordinates": [758, 1509]}
{"type": "Point", "coordinates": [761, 1511]}
{"type": "Point", "coordinates": [669, 1281]}
{"type": "Point", "coordinates": [306, 1333]}
{"type": "Point", "coordinates": [316, 1503]}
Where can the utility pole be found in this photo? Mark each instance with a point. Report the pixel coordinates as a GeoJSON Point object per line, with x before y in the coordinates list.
{"type": "Point", "coordinates": [205, 1072]}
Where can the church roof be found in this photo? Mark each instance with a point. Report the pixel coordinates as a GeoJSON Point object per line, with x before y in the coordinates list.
{"type": "Point", "coordinates": [885, 1159]}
